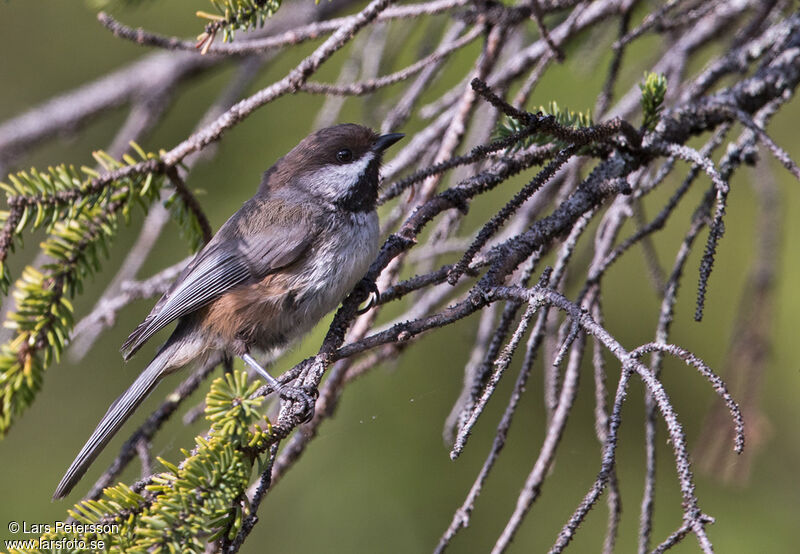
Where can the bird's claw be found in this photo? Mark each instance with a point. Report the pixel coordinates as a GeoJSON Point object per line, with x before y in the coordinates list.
{"type": "Point", "coordinates": [373, 295]}
{"type": "Point", "coordinates": [305, 397]}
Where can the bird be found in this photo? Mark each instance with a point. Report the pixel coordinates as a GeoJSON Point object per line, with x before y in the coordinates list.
{"type": "Point", "coordinates": [286, 258]}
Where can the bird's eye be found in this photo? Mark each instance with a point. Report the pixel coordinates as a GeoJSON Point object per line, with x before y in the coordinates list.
{"type": "Point", "coordinates": [344, 156]}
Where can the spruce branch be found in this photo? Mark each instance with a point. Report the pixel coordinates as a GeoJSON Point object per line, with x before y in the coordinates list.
{"type": "Point", "coordinates": [654, 89]}
{"type": "Point", "coordinates": [80, 211]}
{"type": "Point", "coordinates": [233, 15]}
{"type": "Point", "coordinates": [197, 501]}
{"type": "Point", "coordinates": [564, 117]}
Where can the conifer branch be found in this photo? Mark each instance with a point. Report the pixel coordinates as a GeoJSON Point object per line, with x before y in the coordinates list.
{"type": "Point", "coordinates": [80, 211]}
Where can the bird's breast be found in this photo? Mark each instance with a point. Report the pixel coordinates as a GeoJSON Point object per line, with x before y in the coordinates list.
{"type": "Point", "coordinates": [336, 262]}
{"type": "Point", "coordinates": [288, 303]}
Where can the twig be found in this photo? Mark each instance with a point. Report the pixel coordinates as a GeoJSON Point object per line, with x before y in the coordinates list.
{"type": "Point", "coordinates": [292, 37]}
{"type": "Point", "coordinates": [290, 83]}
{"type": "Point", "coordinates": [191, 203]}
{"type": "Point", "coordinates": [555, 430]}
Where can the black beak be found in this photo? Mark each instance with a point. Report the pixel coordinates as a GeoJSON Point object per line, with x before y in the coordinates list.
{"type": "Point", "coordinates": [385, 141]}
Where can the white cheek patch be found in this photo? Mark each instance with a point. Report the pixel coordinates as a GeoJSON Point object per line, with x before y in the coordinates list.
{"type": "Point", "coordinates": [334, 181]}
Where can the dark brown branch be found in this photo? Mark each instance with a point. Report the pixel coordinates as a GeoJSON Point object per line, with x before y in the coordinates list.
{"type": "Point", "coordinates": [191, 203]}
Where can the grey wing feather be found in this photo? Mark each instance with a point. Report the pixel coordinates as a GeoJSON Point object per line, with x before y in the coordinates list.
{"type": "Point", "coordinates": [221, 266]}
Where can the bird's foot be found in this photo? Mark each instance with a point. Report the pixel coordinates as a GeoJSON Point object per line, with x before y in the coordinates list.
{"type": "Point", "coordinates": [369, 291]}
{"type": "Point", "coordinates": [304, 398]}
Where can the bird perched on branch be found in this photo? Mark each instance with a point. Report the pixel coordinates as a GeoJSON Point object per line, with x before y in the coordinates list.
{"type": "Point", "coordinates": [273, 270]}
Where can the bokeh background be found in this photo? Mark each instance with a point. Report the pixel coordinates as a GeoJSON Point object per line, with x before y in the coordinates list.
{"type": "Point", "coordinates": [378, 478]}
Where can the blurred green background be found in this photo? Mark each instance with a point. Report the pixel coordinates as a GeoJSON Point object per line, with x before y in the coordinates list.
{"type": "Point", "coordinates": [378, 477]}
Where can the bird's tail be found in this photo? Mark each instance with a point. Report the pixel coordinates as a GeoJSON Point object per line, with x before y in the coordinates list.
{"type": "Point", "coordinates": [117, 414]}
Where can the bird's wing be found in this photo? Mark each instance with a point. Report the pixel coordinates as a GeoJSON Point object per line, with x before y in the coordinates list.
{"type": "Point", "coordinates": [220, 266]}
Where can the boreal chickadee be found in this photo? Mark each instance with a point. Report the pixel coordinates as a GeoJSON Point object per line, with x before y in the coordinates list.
{"type": "Point", "coordinates": [280, 263]}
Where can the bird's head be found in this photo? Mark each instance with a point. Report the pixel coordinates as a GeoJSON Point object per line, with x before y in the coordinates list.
{"type": "Point", "coordinates": [339, 165]}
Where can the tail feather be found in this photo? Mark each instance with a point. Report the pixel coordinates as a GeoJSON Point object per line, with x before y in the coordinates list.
{"type": "Point", "coordinates": [137, 339]}
{"type": "Point", "coordinates": [116, 415]}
